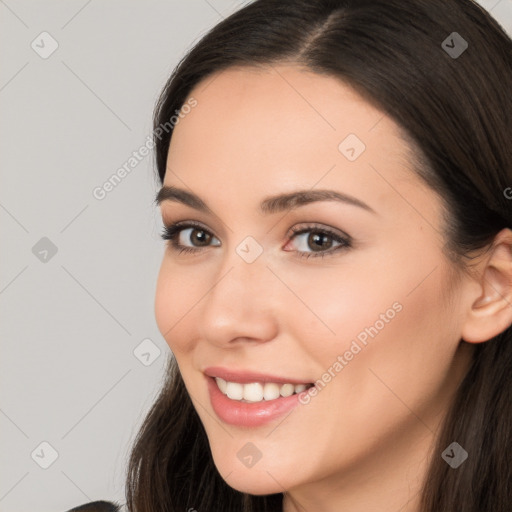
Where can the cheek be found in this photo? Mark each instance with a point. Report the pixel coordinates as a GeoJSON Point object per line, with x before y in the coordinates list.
{"type": "Point", "coordinates": [397, 350]}
{"type": "Point", "coordinates": [336, 306]}
{"type": "Point", "coordinates": [422, 341]}
{"type": "Point", "coordinates": [175, 297]}
{"type": "Point", "coordinates": [396, 323]}
{"type": "Point", "coordinates": [367, 295]}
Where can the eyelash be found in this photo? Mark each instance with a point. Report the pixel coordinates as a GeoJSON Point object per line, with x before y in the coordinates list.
{"type": "Point", "coordinates": [170, 233]}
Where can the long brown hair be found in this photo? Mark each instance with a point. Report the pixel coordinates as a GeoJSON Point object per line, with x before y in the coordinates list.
{"type": "Point", "coordinates": [456, 110]}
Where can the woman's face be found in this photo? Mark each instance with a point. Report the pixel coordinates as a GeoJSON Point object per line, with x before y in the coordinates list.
{"type": "Point", "coordinates": [359, 298]}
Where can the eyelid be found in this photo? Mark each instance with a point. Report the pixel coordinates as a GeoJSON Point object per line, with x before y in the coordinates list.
{"type": "Point", "coordinates": [174, 228]}
{"type": "Point", "coordinates": [343, 239]}
{"type": "Point", "coordinates": [293, 231]}
{"type": "Point", "coordinates": [320, 228]}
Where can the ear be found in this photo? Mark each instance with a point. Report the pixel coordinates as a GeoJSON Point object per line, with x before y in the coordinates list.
{"type": "Point", "coordinates": [491, 312]}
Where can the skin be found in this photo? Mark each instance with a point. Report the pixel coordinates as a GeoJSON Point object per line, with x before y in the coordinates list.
{"type": "Point", "coordinates": [364, 442]}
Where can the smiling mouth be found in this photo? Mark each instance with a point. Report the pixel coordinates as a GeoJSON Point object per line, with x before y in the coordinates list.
{"type": "Point", "coordinates": [258, 391]}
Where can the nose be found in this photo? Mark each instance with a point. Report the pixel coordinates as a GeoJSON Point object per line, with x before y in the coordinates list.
{"type": "Point", "coordinates": [241, 304]}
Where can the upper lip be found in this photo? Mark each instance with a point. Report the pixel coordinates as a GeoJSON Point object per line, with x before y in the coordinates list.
{"type": "Point", "coordinates": [247, 376]}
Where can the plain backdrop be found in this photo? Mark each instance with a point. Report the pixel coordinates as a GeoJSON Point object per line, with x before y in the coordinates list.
{"type": "Point", "coordinates": [82, 358]}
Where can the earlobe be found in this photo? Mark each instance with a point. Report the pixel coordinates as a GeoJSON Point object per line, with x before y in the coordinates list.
{"type": "Point", "coordinates": [491, 312]}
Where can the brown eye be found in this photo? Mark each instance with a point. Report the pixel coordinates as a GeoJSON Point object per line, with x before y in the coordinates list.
{"type": "Point", "coordinates": [318, 241]}
{"type": "Point", "coordinates": [198, 237]}
{"type": "Point", "coordinates": [188, 237]}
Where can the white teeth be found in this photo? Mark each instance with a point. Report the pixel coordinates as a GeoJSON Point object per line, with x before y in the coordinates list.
{"type": "Point", "coordinates": [256, 391]}
{"type": "Point", "coordinates": [287, 389]}
{"type": "Point", "coordinates": [271, 391]}
{"type": "Point", "coordinates": [222, 384]}
{"type": "Point", "coordinates": [253, 392]}
{"type": "Point", "coordinates": [235, 391]}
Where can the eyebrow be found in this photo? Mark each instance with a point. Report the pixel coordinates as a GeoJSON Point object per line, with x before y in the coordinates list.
{"type": "Point", "coordinates": [270, 205]}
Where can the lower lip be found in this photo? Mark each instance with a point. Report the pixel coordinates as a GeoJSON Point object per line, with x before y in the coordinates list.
{"type": "Point", "coordinates": [244, 414]}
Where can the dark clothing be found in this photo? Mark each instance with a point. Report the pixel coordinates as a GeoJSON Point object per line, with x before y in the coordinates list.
{"type": "Point", "coordinates": [97, 506]}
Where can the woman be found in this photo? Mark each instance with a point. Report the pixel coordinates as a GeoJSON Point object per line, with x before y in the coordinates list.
{"type": "Point", "coordinates": [337, 284]}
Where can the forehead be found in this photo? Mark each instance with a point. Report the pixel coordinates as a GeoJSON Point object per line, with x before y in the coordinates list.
{"type": "Point", "coordinates": [259, 128]}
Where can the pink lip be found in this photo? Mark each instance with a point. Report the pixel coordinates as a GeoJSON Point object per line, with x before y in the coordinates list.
{"type": "Point", "coordinates": [244, 414]}
{"type": "Point", "coordinates": [245, 377]}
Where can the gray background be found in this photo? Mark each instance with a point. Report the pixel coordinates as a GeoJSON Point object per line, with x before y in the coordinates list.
{"type": "Point", "coordinates": [73, 374]}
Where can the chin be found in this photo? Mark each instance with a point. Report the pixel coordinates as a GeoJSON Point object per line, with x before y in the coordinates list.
{"type": "Point", "coordinates": [257, 484]}
{"type": "Point", "coordinates": [259, 480]}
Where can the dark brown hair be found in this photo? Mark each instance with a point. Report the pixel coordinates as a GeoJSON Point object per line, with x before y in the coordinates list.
{"type": "Point", "coordinates": [457, 113]}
